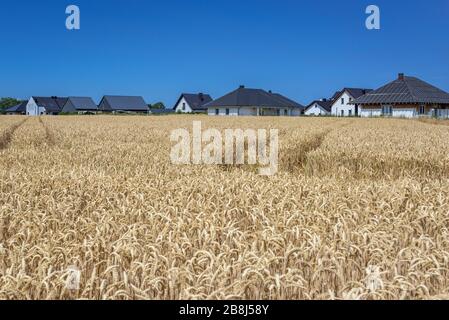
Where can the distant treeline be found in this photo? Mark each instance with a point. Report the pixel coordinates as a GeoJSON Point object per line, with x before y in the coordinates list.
{"type": "Point", "coordinates": [6, 103]}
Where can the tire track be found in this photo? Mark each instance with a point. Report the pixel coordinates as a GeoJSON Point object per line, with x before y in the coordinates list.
{"type": "Point", "coordinates": [6, 137]}
{"type": "Point", "coordinates": [298, 155]}
{"type": "Point", "coordinates": [49, 135]}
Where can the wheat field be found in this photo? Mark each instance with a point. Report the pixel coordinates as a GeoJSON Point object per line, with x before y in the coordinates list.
{"type": "Point", "coordinates": [358, 210]}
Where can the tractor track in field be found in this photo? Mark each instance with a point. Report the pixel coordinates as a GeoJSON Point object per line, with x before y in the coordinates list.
{"type": "Point", "coordinates": [300, 153]}
{"type": "Point", "coordinates": [6, 137]}
{"type": "Point", "coordinates": [49, 135]}
{"type": "Point", "coordinates": [317, 140]}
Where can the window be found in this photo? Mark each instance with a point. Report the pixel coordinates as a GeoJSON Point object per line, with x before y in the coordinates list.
{"type": "Point", "coordinates": [342, 100]}
{"type": "Point", "coordinates": [422, 109]}
{"type": "Point", "coordinates": [227, 112]}
{"type": "Point", "coordinates": [387, 110]}
{"type": "Point", "coordinates": [183, 106]}
{"type": "Point", "coordinates": [350, 113]}
{"type": "Point", "coordinates": [342, 113]}
{"type": "Point", "coordinates": [217, 112]}
{"type": "Point", "coordinates": [278, 112]}
{"type": "Point", "coordinates": [286, 112]}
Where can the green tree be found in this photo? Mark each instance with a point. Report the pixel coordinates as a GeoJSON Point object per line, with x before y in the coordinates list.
{"type": "Point", "coordinates": [6, 103]}
{"type": "Point", "coordinates": [158, 105]}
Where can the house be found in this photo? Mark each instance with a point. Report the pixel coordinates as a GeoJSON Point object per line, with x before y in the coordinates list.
{"type": "Point", "coordinates": [405, 97]}
{"type": "Point", "coordinates": [192, 103]}
{"type": "Point", "coordinates": [123, 104]}
{"type": "Point", "coordinates": [342, 106]}
{"type": "Point", "coordinates": [38, 106]}
{"type": "Point", "coordinates": [321, 107]}
{"type": "Point", "coordinates": [19, 109]}
{"type": "Point", "coordinates": [253, 102]}
{"type": "Point", "coordinates": [79, 105]}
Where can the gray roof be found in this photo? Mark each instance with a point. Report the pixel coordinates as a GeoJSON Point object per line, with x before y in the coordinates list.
{"type": "Point", "coordinates": [288, 101]}
{"type": "Point", "coordinates": [325, 104]}
{"type": "Point", "coordinates": [83, 103]}
{"type": "Point", "coordinates": [126, 103]}
{"type": "Point", "coordinates": [354, 92]}
{"type": "Point", "coordinates": [243, 97]}
{"type": "Point", "coordinates": [196, 101]}
{"type": "Point", "coordinates": [20, 108]}
{"type": "Point", "coordinates": [405, 90]}
{"type": "Point", "coordinates": [51, 104]}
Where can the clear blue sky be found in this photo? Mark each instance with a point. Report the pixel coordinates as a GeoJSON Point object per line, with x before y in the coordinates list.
{"type": "Point", "coordinates": [158, 49]}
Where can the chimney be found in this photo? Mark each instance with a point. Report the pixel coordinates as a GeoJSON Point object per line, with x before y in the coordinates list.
{"type": "Point", "coordinates": [201, 95]}
{"type": "Point", "coordinates": [242, 87]}
{"type": "Point", "coordinates": [401, 76]}
{"type": "Point", "coordinates": [270, 92]}
{"type": "Point", "coordinates": [324, 99]}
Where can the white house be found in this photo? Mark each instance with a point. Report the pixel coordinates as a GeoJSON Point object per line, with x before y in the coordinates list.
{"type": "Point", "coordinates": [37, 106]}
{"type": "Point", "coordinates": [253, 102]}
{"type": "Point", "coordinates": [192, 103]}
{"type": "Point", "coordinates": [319, 108]}
{"type": "Point", "coordinates": [342, 107]}
{"type": "Point", "coordinates": [405, 97]}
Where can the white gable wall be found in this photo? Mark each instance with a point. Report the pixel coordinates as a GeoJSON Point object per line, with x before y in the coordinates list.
{"type": "Point", "coordinates": [183, 103]}
{"type": "Point", "coordinates": [342, 108]}
{"type": "Point", "coordinates": [33, 109]}
{"type": "Point", "coordinates": [316, 110]}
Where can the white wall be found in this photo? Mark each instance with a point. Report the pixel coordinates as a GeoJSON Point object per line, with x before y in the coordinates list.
{"type": "Point", "coordinates": [251, 111]}
{"type": "Point", "coordinates": [443, 113]}
{"type": "Point", "coordinates": [316, 110]}
{"type": "Point", "coordinates": [248, 111]}
{"type": "Point", "coordinates": [397, 112]}
{"type": "Point", "coordinates": [233, 111]}
{"type": "Point", "coordinates": [370, 112]}
{"type": "Point", "coordinates": [33, 109]}
{"type": "Point", "coordinates": [183, 101]}
{"type": "Point", "coordinates": [338, 106]}
{"type": "Point", "coordinates": [404, 113]}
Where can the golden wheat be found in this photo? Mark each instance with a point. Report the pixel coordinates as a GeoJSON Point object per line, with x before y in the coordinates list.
{"type": "Point", "coordinates": [359, 210]}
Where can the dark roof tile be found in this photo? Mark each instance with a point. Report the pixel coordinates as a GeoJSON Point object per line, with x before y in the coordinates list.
{"type": "Point", "coordinates": [83, 103]}
{"type": "Point", "coordinates": [126, 103]}
{"type": "Point", "coordinates": [196, 101]}
{"type": "Point", "coordinates": [405, 90]}
{"type": "Point", "coordinates": [243, 97]}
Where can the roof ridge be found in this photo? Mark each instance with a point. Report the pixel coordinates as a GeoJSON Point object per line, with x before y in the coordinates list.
{"type": "Point", "coordinates": [409, 88]}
